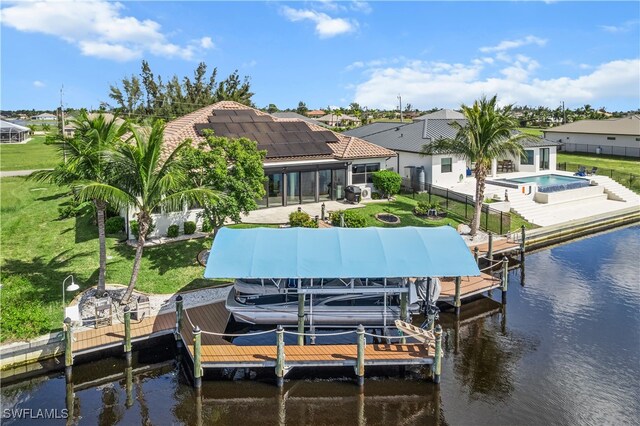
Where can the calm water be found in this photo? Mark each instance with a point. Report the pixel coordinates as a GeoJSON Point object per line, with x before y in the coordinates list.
{"type": "Point", "coordinates": [566, 352]}
{"type": "Point", "coordinates": [548, 179]}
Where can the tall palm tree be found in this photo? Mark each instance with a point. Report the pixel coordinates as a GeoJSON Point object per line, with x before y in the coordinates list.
{"type": "Point", "coordinates": [490, 132]}
{"type": "Point", "coordinates": [145, 181]}
{"type": "Point", "coordinates": [83, 162]}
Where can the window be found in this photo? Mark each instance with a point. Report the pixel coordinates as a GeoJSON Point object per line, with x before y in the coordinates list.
{"type": "Point", "coordinates": [527, 157]}
{"type": "Point", "coordinates": [363, 173]}
{"type": "Point", "coordinates": [611, 138]}
{"type": "Point", "coordinates": [446, 165]}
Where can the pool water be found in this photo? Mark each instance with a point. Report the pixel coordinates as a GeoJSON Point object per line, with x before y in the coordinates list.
{"type": "Point", "coordinates": [546, 180]}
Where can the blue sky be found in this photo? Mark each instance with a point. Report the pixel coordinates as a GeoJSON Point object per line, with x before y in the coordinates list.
{"type": "Point", "coordinates": [330, 53]}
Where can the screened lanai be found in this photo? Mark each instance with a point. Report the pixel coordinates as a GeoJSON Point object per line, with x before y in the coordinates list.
{"type": "Point", "coordinates": [13, 133]}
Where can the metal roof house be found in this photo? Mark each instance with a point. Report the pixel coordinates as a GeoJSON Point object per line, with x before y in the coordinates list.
{"type": "Point", "coordinates": [13, 133]}
{"type": "Point", "coordinates": [45, 116]}
{"type": "Point", "coordinates": [444, 170]}
{"type": "Point", "coordinates": [616, 136]}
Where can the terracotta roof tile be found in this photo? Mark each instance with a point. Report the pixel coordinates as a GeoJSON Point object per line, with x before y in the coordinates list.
{"type": "Point", "coordinates": [347, 147]}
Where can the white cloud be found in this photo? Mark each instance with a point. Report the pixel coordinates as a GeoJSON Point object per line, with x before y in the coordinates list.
{"type": "Point", "coordinates": [206, 43]}
{"type": "Point", "coordinates": [354, 65]}
{"type": "Point", "coordinates": [252, 63]}
{"type": "Point", "coordinates": [512, 44]}
{"type": "Point", "coordinates": [622, 28]}
{"type": "Point", "coordinates": [449, 85]}
{"type": "Point", "coordinates": [38, 83]}
{"type": "Point", "coordinates": [326, 26]}
{"type": "Point", "coordinates": [97, 28]}
{"type": "Point", "coordinates": [360, 6]}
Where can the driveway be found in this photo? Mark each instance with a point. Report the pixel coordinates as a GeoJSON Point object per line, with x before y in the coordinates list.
{"type": "Point", "coordinates": [11, 173]}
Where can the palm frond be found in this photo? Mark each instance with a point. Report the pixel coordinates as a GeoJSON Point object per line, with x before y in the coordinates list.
{"type": "Point", "coordinates": [117, 197]}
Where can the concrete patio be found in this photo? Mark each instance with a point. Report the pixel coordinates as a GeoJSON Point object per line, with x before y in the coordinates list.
{"type": "Point", "coordinates": [278, 215]}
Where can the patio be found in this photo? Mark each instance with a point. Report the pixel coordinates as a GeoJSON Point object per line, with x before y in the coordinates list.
{"type": "Point", "coordinates": [277, 215]}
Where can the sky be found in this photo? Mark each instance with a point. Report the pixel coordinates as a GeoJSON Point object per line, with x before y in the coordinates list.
{"type": "Point", "coordinates": [329, 53]}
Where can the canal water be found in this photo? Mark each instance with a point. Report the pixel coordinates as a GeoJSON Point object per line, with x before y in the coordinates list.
{"type": "Point", "coordinates": [565, 351]}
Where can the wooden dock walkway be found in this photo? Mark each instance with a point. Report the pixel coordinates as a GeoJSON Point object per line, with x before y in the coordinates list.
{"type": "Point", "coordinates": [502, 246]}
{"type": "Point", "coordinates": [469, 286]}
{"type": "Point", "coordinates": [219, 353]}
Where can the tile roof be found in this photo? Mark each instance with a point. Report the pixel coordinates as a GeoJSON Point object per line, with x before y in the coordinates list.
{"type": "Point", "coordinates": [345, 148]}
{"type": "Point", "coordinates": [615, 126]}
{"type": "Point", "coordinates": [298, 116]}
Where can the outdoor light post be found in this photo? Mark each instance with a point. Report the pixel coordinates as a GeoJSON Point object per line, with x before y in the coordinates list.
{"type": "Point", "coordinates": [72, 287]}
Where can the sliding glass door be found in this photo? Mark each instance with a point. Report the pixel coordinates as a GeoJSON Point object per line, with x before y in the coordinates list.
{"type": "Point", "coordinates": [544, 158]}
{"type": "Point", "coordinates": [274, 191]}
{"type": "Point", "coordinates": [308, 186]}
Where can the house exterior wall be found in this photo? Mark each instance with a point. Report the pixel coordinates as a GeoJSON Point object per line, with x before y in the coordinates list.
{"type": "Point", "coordinates": [382, 164]}
{"type": "Point", "coordinates": [432, 165]}
{"type": "Point", "coordinates": [162, 221]}
{"type": "Point", "coordinates": [626, 145]}
{"type": "Point", "coordinates": [535, 167]}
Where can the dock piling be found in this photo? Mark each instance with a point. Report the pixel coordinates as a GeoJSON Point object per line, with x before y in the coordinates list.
{"type": "Point", "coordinates": [301, 319]}
{"type": "Point", "coordinates": [360, 359]}
{"type": "Point", "coordinates": [505, 278]}
{"type": "Point", "coordinates": [490, 248]}
{"type": "Point", "coordinates": [457, 302]}
{"type": "Point", "coordinates": [197, 364]}
{"type": "Point", "coordinates": [280, 360]}
{"type": "Point", "coordinates": [129, 386]}
{"type": "Point", "coordinates": [179, 307]}
{"type": "Point", "coordinates": [523, 238]}
{"type": "Point", "coordinates": [437, 361]}
{"type": "Point", "coordinates": [127, 334]}
{"type": "Point", "coordinates": [68, 350]}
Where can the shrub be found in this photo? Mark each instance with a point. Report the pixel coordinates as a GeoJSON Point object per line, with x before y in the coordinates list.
{"type": "Point", "coordinates": [73, 208]}
{"type": "Point", "coordinates": [375, 196]}
{"type": "Point", "coordinates": [352, 219]}
{"type": "Point", "coordinates": [387, 181]}
{"type": "Point", "coordinates": [301, 219]}
{"type": "Point", "coordinates": [134, 228]}
{"type": "Point", "coordinates": [114, 225]}
{"type": "Point", "coordinates": [189, 227]}
{"type": "Point", "coordinates": [206, 225]}
{"type": "Point", "coordinates": [423, 207]}
{"type": "Point", "coordinates": [173, 231]}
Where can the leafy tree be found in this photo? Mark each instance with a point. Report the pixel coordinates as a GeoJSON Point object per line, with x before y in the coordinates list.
{"type": "Point", "coordinates": [232, 89]}
{"type": "Point", "coordinates": [388, 182]}
{"type": "Point", "coordinates": [302, 108]}
{"type": "Point", "coordinates": [272, 108]}
{"type": "Point", "coordinates": [488, 134]}
{"type": "Point", "coordinates": [83, 161]}
{"type": "Point", "coordinates": [145, 181]}
{"type": "Point", "coordinates": [231, 167]}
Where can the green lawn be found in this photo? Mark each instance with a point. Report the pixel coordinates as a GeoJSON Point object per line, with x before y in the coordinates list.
{"type": "Point", "coordinates": [39, 251]}
{"type": "Point", "coordinates": [535, 131]}
{"type": "Point", "coordinates": [625, 170]}
{"type": "Point", "coordinates": [30, 156]}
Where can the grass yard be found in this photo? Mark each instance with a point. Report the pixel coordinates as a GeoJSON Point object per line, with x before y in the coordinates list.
{"type": "Point", "coordinates": [30, 156]}
{"type": "Point", "coordinates": [535, 131]}
{"type": "Point", "coordinates": [403, 208]}
{"type": "Point", "coordinates": [624, 170]}
{"type": "Point", "coordinates": [39, 251]}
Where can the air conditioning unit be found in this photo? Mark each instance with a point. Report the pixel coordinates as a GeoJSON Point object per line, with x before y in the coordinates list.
{"type": "Point", "coordinates": [366, 193]}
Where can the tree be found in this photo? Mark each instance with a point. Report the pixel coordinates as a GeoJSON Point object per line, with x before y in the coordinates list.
{"type": "Point", "coordinates": [302, 108]}
{"type": "Point", "coordinates": [388, 182]}
{"type": "Point", "coordinates": [490, 132]}
{"type": "Point", "coordinates": [272, 108]}
{"type": "Point", "coordinates": [84, 162]}
{"type": "Point", "coordinates": [144, 182]}
{"type": "Point", "coordinates": [231, 167]}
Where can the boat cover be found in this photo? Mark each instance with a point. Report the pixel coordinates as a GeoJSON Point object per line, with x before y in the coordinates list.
{"type": "Point", "coordinates": [339, 253]}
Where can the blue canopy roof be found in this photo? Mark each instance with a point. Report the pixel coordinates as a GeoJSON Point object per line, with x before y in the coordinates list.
{"type": "Point", "coordinates": [339, 253]}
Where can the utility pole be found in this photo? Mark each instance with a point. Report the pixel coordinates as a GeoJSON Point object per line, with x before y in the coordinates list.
{"type": "Point", "coordinates": [564, 115]}
{"type": "Point", "coordinates": [400, 99]}
{"type": "Point", "coordinates": [64, 149]}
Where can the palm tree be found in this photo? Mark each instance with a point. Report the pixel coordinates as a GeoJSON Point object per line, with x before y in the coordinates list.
{"type": "Point", "coordinates": [145, 181]}
{"type": "Point", "coordinates": [490, 132]}
{"type": "Point", "coordinates": [83, 162]}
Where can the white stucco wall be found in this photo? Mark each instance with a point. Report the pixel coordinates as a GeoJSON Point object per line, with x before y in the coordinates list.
{"type": "Point", "coordinates": [535, 167]}
{"type": "Point", "coordinates": [586, 142]}
{"type": "Point", "coordinates": [432, 166]}
{"type": "Point", "coordinates": [162, 221]}
{"type": "Point", "coordinates": [382, 162]}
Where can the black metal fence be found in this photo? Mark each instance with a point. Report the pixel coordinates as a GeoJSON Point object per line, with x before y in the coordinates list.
{"type": "Point", "coordinates": [623, 151]}
{"type": "Point", "coordinates": [459, 206]}
{"type": "Point", "coordinates": [630, 180]}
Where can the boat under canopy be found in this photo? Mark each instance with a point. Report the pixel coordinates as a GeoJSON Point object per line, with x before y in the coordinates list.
{"type": "Point", "coordinates": [339, 252]}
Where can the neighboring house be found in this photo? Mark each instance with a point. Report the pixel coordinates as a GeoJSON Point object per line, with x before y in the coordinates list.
{"type": "Point", "coordinates": [316, 113]}
{"type": "Point", "coordinates": [333, 120]}
{"type": "Point", "coordinates": [13, 133]}
{"type": "Point", "coordinates": [444, 170]}
{"type": "Point", "coordinates": [299, 117]}
{"type": "Point", "coordinates": [305, 163]}
{"type": "Point", "coordinates": [45, 116]}
{"type": "Point", "coordinates": [616, 136]}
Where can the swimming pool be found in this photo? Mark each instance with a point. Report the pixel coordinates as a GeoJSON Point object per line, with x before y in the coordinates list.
{"type": "Point", "coordinates": [545, 183]}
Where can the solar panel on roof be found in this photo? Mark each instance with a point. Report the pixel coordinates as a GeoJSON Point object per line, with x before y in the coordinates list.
{"type": "Point", "coordinates": [263, 119]}
{"type": "Point", "coordinates": [263, 127]}
{"type": "Point", "coordinates": [301, 127]}
{"type": "Point", "coordinates": [328, 136]}
{"type": "Point", "coordinates": [224, 112]}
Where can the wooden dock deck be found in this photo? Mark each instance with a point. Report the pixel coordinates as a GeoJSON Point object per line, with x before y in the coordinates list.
{"type": "Point", "coordinates": [469, 286]}
{"type": "Point", "coordinates": [95, 339]}
{"type": "Point", "coordinates": [502, 246]}
{"type": "Point", "coordinates": [219, 353]}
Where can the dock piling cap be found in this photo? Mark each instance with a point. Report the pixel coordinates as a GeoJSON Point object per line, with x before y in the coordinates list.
{"type": "Point", "coordinates": [196, 329]}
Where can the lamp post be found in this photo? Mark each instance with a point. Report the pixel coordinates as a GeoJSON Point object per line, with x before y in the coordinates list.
{"type": "Point", "coordinates": [72, 287]}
